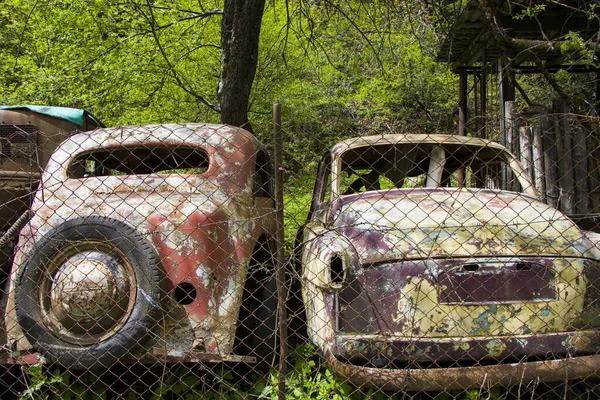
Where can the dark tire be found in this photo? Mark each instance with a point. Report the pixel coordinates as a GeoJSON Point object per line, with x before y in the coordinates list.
{"type": "Point", "coordinates": [89, 292]}
{"type": "Point", "coordinates": [258, 332]}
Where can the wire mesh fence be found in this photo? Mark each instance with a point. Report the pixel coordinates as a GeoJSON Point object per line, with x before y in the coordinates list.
{"type": "Point", "coordinates": [149, 262]}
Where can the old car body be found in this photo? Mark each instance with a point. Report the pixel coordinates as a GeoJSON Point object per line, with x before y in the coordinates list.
{"type": "Point", "coordinates": [140, 246]}
{"type": "Point", "coordinates": [429, 264]}
{"type": "Point", "coordinates": [28, 136]}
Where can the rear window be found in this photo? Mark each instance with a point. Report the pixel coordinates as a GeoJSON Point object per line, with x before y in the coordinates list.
{"type": "Point", "coordinates": [140, 161]}
{"type": "Point", "coordinates": [422, 165]}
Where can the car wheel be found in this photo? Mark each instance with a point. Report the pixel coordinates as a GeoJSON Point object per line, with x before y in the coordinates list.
{"type": "Point", "coordinates": [259, 332]}
{"type": "Point", "coordinates": [89, 292]}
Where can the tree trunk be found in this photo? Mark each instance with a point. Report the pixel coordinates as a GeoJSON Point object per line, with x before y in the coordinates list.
{"type": "Point", "coordinates": [240, 32]}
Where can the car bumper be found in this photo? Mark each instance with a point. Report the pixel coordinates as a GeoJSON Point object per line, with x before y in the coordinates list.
{"type": "Point", "coordinates": [439, 363]}
{"type": "Point", "coordinates": [438, 379]}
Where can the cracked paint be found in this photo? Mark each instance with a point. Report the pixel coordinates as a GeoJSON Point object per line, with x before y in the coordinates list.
{"type": "Point", "coordinates": [204, 226]}
{"type": "Point", "coordinates": [443, 275]}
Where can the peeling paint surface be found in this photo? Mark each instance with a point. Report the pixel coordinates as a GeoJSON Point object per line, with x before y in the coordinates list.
{"type": "Point", "coordinates": [203, 225]}
{"type": "Point", "coordinates": [400, 282]}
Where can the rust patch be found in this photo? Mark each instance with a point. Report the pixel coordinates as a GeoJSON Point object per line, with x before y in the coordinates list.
{"type": "Point", "coordinates": [411, 281]}
{"type": "Point", "coordinates": [203, 223]}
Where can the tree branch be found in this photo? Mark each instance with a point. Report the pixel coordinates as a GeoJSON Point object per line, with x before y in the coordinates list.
{"type": "Point", "coordinates": [22, 35]}
{"type": "Point", "coordinates": [364, 36]}
{"type": "Point", "coordinates": [175, 75]}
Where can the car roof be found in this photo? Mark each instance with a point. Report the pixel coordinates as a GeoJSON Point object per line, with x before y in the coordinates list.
{"type": "Point", "coordinates": [412, 138]}
{"type": "Point", "coordinates": [190, 134]}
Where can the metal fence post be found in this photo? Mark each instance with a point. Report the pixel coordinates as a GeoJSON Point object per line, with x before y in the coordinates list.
{"type": "Point", "coordinates": [281, 287]}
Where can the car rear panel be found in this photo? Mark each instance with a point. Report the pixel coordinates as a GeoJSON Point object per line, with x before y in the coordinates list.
{"type": "Point", "coordinates": [465, 287]}
{"type": "Point", "coordinates": [438, 311]}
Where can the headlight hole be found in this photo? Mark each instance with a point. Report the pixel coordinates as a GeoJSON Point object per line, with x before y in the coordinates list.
{"type": "Point", "coordinates": [337, 271]}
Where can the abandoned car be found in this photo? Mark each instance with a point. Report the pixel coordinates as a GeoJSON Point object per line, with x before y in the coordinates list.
{"type": "Point", "coordinates": [429, 264]}
{"type": "Point", "coordinates": [142, 244]}
{"type": "Point", "coordinates": [28, 136]}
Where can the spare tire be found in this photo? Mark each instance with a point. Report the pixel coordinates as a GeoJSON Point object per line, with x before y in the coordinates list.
{"type": "Point", "coordinates": [89, 292]}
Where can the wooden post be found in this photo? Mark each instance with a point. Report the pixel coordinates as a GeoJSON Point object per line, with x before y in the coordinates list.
{"type": "Point", "coordinates": [537, 152]}
{"type": "Point", "coordinates": [580, 169]}
{"type": "Point", "coordinates": [565, 160]}
{"type": "Point", "coordinates": [462, 102]}
{"type": "Point", "coordinates": [597, 93]}
{"type": "Point", "coordinates": [483, 96]}
{"type": "Point", "coordinates": [594, 168]}
{"type": "Point", "coordinates": [550, 160]}
{"type": "Point", "coordinates": [594, 151]}
{"type": "Point", "coordinates": [462, 116]}
{"type": "Point", "coordinates": [526, 150]}
{"type": "Point", "coordinates": [507, 97]}
{"type": "Point", "coordinates": [475, 125]}
{"type": "Point", "coordinates": [511, 136]}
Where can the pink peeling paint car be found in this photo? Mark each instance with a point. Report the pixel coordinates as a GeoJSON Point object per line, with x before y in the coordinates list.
{"type": "Point", "coordinates": [428, 263]}
{"type": "Point", "coordinates": [146, 243]}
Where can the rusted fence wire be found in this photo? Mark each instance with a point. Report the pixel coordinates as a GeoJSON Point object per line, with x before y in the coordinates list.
{"type": "Point", "coordinates": [144, 263]}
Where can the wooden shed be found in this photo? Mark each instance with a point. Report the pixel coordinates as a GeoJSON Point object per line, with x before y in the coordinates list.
{"type": "Point", "coordinates": [492, 45]}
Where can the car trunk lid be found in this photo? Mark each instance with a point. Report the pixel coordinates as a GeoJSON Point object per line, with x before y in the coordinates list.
{"type": "Point", "coordinates": [435, 223]}
{"type": "Point", "coordinates": [462, 264]}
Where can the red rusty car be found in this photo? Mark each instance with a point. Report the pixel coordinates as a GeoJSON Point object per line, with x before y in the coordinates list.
{"type": "Point", "coordinates": [144, 243]}
{"type": "Point", "coordinates": [428, 263]}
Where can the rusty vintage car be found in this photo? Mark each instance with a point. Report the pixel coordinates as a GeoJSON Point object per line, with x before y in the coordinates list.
{"type": "Point", "coordinates": [143, 245]}
{"type": "Point", "coordinates": [428, 263]}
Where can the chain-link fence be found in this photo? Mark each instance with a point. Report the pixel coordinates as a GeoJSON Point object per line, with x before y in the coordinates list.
{"type": "Point", "coordinates": [152, 262]}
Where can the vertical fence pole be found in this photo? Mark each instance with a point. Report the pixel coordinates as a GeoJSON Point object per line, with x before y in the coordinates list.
{"type": "Point", "coordinates": [281, 286]}
{"type": "Point", "coordinates": [463, 114]}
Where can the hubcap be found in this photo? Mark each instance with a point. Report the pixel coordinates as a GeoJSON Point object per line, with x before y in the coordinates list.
{"type": "Point", "coordinates": [90, 296]}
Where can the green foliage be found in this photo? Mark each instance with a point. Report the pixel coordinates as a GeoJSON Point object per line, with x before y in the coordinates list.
{"type": "Point", "coordinates": [541, 94]}
{"type": "Point", "coordinates": [308, 380]}
{"type": "Point", "coordinates": [574, 44]}
{"type": "Point", "coordinates": [530, 12]}
{"type": "Point", "coordinates": [181, 383]}
{"type": "Point", "coordinates": [41, 383]}
{"type": "Point", "coordinates": [338, 70]}
{"type": "Point", "coordinates": [102, 55]}
{"type": "Point", "coordinates": [38, 381]}
{"type": "Point", "coordinates": [355, 79]}
{"type": "Point", "coordinates": [478, 394]}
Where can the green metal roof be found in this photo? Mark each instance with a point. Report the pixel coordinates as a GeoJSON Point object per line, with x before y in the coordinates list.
{"type": "Point", "coordinates": [74, 115]}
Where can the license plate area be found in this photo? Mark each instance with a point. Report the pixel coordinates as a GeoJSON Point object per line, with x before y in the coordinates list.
{"type": "Point", "coordinates": [475, 282]}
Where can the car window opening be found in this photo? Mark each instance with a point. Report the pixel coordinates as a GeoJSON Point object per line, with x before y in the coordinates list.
{"type": "Point", "coordinates": [140, 161]}
{"type": "Point", "coordinates": [383, 167]}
